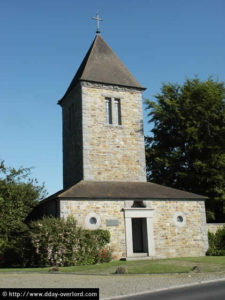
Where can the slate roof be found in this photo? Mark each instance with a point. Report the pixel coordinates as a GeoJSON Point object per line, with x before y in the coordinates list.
{"type": "Point", "coordinates": [102, 65]}
{"type": "Point", "coordinates": [123, 190]}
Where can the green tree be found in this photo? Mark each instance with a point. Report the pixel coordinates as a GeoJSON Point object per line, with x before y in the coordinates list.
{"type": "Point", "coordinates": [187, 147]}
{"type": "Point", "coordinates": [19, 193]}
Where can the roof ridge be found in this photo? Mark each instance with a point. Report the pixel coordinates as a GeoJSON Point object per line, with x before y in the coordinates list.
{"type": "Point", "coordinates": [90, 53]}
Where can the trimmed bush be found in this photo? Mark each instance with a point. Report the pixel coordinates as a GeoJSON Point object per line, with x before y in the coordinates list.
{"type": "Point", "coordinates": [216, 243]}
{"type": "Point", "coordinates": [59, 242]}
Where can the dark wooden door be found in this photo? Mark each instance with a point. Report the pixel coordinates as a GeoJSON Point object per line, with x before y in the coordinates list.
{"type": "Point", "coordinates": [137, 231]}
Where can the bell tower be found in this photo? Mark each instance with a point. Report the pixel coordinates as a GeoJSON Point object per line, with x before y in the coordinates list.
{"type": "Point", "coordinates": [102, 121]}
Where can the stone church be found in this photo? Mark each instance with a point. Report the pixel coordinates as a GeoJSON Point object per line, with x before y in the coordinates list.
{"type": "Point", "coordinates": [104, 176]}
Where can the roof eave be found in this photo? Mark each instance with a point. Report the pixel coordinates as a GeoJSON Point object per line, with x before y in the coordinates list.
{"type": "Point", "coordinates": [105, 83]}
{"type": "Point", "coordinates": [121, 198]}
{"type": "Point", "coordinates": [114, 84]}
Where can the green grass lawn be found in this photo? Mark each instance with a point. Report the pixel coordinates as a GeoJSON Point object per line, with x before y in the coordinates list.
{"type": "Point", "coordinates": [132, 267]}
{"type": "Point", "coordinates": [159, 266]}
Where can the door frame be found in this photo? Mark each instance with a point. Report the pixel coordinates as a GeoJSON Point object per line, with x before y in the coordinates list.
{"type": "Point", "coordinates": [147, 213]}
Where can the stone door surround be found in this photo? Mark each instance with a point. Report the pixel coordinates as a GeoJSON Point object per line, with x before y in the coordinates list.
{"type": "Point", "coordinates": [147, 213]}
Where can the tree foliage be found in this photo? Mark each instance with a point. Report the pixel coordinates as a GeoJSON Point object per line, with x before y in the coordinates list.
{"type": "Point", "coordinates": [19, 193]}
{"type": "Point", "coordinates": [187, 146]}
{"type": "Point", "coordinates": [49, 241]}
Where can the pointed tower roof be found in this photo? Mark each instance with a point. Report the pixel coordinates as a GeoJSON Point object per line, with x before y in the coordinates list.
{"type": "Point", "coordinates": [102, 65]}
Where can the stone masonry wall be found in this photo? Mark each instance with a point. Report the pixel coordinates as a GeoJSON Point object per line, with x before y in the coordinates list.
{"type": "Point", "coordinates": [112, 152]}
{"type": "Point", "coordinates": [107, 210]}
{"type": "Point", "coordinates": [173, 239]}
{"type": "Point", "coordinates": [72, 138]}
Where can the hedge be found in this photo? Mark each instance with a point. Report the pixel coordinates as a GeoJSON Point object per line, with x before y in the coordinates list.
{"type": "Point", "coordinates": [61, 242]}
{"type": "Point", "coordinates": [216, 243]}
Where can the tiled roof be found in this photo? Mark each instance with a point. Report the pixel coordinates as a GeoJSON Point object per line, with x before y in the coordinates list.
{"type": "Point", "coordinates": [123, 190]}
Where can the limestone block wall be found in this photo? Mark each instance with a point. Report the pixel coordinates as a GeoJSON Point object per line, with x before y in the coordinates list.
{"type": "Point", "coordinates": [213, 227]}
{"type": "Point", "coordinates": [171, 238]}
{"type": "Point", "coordinates": [110, 213]}
{"type": "Point", "coordinates": [112, 152]}
{"type": "Point", "coordinates": [174, 239]}
{"type": "Point", "coordinates": [72, 138]}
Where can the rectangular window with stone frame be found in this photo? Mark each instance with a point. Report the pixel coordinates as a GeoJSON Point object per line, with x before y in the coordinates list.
{"type": "Point", "coordinates": [108, 110]}
{"type": "Point", "coordinates": [117, 110]}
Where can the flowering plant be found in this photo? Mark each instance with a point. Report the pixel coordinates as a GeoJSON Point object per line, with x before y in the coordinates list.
{"type": "Point", "coordinates": [105, 255]}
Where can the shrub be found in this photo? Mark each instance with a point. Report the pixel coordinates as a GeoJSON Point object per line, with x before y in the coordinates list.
{"type": "Point", "coordinates": [59, 242]}
{"type": "Point", "coordinates": [18, 252]}
{"type": "Point", "coordinates": [216, 243]}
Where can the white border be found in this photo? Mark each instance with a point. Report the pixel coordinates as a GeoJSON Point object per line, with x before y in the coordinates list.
{"type": "Point", "coordinates": [87, 221]}
{"type": "Point", "coordinates": [179, 224]}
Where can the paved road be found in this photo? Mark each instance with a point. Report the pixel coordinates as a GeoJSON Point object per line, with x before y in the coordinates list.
{"type": "Point", "coordinates": [110, 286]}
{"type": "Point", "coordinates": [209, 291]}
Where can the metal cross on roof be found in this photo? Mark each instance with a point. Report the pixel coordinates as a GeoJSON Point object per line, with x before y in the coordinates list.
{"type": "Point", "coordinates": [97, 20]}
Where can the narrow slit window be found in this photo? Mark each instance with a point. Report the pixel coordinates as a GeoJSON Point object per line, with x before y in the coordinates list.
{"type": "Point", "coordinates": [108, 110]}
{"type": "Point", "coordinates": [117, 111]}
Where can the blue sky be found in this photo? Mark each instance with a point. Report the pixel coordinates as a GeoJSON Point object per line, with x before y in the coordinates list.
{"type": "Point", "coordinates": [42, 43]}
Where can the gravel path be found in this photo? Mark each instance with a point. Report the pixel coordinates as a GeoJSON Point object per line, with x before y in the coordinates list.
{"type": "Point", "coordinates": [110, 286]}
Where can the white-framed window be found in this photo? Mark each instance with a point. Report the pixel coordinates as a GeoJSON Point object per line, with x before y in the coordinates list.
{"type": "Point", "coordinates": [117, 110]}
{"type": "Point", "coordinates": [108, 110]}
{"type": "Point", "coordinates": [92, 221]}
{"type": "Point", "coordinates": [179, 219]}
{"type": "Point", "coordinates": [113, 111]}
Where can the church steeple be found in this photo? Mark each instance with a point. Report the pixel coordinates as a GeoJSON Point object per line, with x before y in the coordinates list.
{"type": "Point", "coordinates": [102, 121]}
{"type": "Point", "coordinates": [102, 65]}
